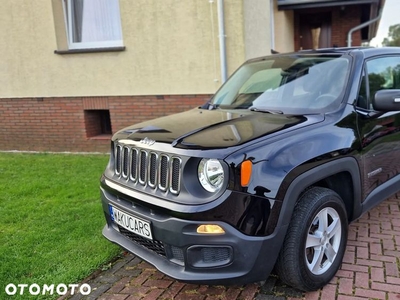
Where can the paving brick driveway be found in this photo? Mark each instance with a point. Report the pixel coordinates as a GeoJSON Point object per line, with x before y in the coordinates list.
{"type": "Point", "coordinates": [370, 270]}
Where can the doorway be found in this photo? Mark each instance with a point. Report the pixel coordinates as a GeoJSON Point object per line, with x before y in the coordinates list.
{"type": "Point", "coordinates": [315, 30]}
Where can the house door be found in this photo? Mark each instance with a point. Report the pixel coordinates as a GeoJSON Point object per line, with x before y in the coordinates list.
{"type": "Point", "coordinates": [315, 31]}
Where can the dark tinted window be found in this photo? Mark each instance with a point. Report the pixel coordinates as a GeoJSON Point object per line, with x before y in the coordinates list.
{"type": "Point", "coordinates": [383, 74]}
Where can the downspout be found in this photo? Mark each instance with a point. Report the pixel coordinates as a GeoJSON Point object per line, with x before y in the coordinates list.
{"type": "Point", "coordinates": [362, 26]}
{"type": "Point", "coordinates": [222, 48]}
{"type": "Point", "coordinates": [272, 24]}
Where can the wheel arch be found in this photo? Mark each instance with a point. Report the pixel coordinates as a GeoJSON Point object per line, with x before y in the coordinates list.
{"type": "Point", "coordinates": [333, 175]}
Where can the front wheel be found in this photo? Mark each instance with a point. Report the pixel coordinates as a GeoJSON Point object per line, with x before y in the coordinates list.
{"type": "Point", "coordinates": [315, 242]}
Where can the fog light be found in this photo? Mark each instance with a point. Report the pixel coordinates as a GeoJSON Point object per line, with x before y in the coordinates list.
{"type": "Point", "coordinates": [209, 228]}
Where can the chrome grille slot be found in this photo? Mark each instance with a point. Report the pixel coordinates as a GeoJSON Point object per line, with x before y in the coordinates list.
{"type": "Point", "coordinates": [118, 160]}
{"type": "Point", "coordinates": [153, 169]}
{"type": "Point", "coordinates": [125, 162]}
{"type": "Point", "coordinates": [149, 168]}
{"type": "Point", "coordinates": [163, 173]}
{"type": "Point", "coordinates": [134, 164]}
{"type": "Point", "coordinates": [175, 175]}
{"type": "Point", "coordinates": [143, 167]}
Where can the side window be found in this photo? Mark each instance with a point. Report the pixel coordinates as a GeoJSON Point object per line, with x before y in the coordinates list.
{"type": "Point", "coordinates": [383, 73]}
{"type": "Point", "coordinates": [92, 23]}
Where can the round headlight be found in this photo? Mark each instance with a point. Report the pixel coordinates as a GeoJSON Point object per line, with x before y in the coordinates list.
{"type": "Point", "coordinates": [211, 174]}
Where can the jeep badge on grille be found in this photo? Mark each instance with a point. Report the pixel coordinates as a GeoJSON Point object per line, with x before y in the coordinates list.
{"type": "Point", "coordinates": [147, 141]}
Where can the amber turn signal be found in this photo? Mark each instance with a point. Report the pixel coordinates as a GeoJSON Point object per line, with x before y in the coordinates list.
{"type": "Point", "coordinates": [209, 228]}
{"type": "Point", "coordinates": [245, 173]}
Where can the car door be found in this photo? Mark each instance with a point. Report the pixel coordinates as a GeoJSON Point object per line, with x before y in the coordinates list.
{"type": "Point", "coordinates": [379, 131]}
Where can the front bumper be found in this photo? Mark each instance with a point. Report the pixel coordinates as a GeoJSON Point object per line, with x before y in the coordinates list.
{"type": "Point", "coordinates": [180, 252]}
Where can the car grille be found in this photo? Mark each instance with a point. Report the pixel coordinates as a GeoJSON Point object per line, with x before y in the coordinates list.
{"type": "Point", "coordinates": [152, 245]}
{"type": "Point", "coordinates": [149, 168]}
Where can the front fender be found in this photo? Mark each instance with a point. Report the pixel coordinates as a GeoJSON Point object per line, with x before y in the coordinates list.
{"type": "Point", "coordinates": [275, 160]}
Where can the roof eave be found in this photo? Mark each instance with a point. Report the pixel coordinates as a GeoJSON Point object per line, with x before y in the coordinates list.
{"type": "Point", "coordinates": [301, 4]}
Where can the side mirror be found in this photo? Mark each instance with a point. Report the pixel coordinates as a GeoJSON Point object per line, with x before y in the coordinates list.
{"type": "Point", "coordinates": [386, 100]}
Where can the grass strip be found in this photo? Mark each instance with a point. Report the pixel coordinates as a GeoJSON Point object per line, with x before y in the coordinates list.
{"type": "Point", "coordinates": [50, 219]}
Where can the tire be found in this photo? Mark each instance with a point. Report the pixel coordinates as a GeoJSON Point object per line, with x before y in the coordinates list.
{"type": "Point", "coordinates": [312, 251]}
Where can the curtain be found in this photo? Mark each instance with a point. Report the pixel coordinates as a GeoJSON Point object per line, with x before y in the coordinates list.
{"type": "Point", "coordinates": [95, 21]}
{"type": "Point", "coordinates": [77, 18]}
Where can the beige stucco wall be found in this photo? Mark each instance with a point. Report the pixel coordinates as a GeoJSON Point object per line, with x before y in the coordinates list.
{"type": "Point", "coordinates": [171, 48]}
{"type": "Point", "coordinates": [284, 29]}
{"type": "Point", "coordinates": [257, 26]}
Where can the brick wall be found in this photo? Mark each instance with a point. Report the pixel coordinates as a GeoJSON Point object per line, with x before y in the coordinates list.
{"type": "Point", "coordinates": [64, 124]}
{"type": "Point", "coordinates": [342, 22]}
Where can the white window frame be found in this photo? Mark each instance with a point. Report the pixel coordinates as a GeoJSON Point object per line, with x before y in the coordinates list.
{"type": "Point", "coordinates": [68, 19]}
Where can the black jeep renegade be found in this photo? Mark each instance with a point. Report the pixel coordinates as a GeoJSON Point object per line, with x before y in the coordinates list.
{"type": "Point", "coordinates": [269, 172]}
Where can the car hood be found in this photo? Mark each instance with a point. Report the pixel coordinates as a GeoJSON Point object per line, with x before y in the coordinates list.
{"type": "Point", "coordinates": [211, 129]}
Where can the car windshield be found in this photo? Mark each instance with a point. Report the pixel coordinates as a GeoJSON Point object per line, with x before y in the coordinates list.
{"type": "Point", "coordinates": [286, 84]}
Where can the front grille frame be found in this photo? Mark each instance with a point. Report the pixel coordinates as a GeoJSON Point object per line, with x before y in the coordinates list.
{"type": "Point", "coordinates": [148, 169]}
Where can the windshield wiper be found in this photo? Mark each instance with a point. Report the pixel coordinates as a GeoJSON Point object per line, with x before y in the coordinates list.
{"type": "Point", "coordinates": [266, 110]}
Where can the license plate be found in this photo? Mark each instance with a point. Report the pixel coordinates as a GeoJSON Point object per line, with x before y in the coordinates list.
{"type": "Point", "coordinates": [131, 223]}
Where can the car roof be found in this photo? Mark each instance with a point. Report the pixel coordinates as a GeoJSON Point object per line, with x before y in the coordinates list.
{"type": "Point", "coordinates": [366, 52]}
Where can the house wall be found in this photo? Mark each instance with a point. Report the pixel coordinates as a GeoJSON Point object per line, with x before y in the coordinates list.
{"type": "Point", "coordinates": [171, 63]}
{"type": "Point", "coordinates": [60, 124]}
{"type": "Point", "coordinates": [171, 48]}
{"type": "Point", "coordinates": [284, 29]}
{"type": "Point", "coordinates": [342, 22]}
{"type": "Point", "coordinates": [257, 28]}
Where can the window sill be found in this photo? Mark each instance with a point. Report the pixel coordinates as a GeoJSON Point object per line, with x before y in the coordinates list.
{"type": "Point", "coordinates": [90, 50]}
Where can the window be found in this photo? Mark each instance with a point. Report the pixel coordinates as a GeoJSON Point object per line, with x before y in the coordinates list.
{"type": "Point", "coordinates": [97, 123]}
{"type": "Point", "coordinates": [383, 74]}
{"type": "Point", "coordinates": [288, 84]}
{"type": "Point", "coordinates": [92, 23]}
